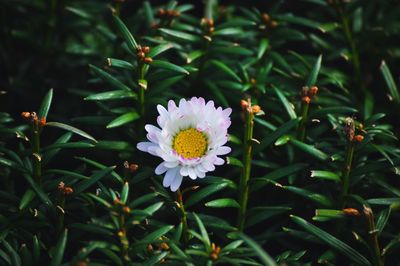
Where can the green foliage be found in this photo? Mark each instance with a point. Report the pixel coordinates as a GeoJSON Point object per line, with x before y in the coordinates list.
{"type": "Point", "coordinates": [321, 156]}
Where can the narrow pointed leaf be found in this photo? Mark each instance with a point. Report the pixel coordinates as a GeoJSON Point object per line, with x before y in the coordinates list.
{"type": "Point", "coordinates": [113, 82]}
{"type": "Point", "coordinates": [169, 66]}
{"type": "Point", "coordinates": [332, 241]}
{"type": "Point", "coordinates": [45, 105]}
{"type": "Point", "coordinates": [123, 119]}
{"type": "Point", "coordinates": [71, 129]}
{"type": "Point", "coordinates": [130, 41]}
{"type": "Point", "coordinates": [59, 249]}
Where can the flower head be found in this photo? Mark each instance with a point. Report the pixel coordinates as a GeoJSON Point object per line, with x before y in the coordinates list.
{"type": "Point", "coordinates": [191, 137]}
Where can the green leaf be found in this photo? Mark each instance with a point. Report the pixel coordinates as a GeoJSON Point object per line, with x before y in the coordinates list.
{"type": "Point", "coordinates": [26, 199]}
{"type": "Point", "coordinates": [226, 69]}
{"type": "Point", "coordinates": [130, 41]}
{"type": "Point", "coordinates": [45, 105]}
{"type": "Point", "coordinates": [203, 231]}
{"type": "Point", "coordinates": [123, 119]}
{"type": "Point", "coordinates": [71, 129]}
{"type": "Point", "coordinates": [318, 198]}
{"type": "Point", "coordinates": [154, 51]}
{"type": "Point", "coordinates": [113, 62]}
{"type": "Point", "coordinates": [46, 157]}
{"type": "Point", "coordinates": [310, 150]}
{"type": "Point", "coordinates": [264, 43]}
{"type": "Point", "coordinates": [257, 215]}
{"type": "Point", "coordinates": [111, 95]}
{"type": "Point", "coordinates": [288, 106]}
{"type": "Point", "coordinates": [169, 66]}
{"type": "Point", "coordinates": [85, 184]}
{"type": "Point", "coordinates": [383, 219]}
{"type": "Point", "coordinates": [15, 258]}
{"type": "Point", "coordinates": [312, 78]}
{"type": "Point", "coordinates": [222, 203]}
{"type": "Point", "coordinates": [115, 83]}
{"type": "Point", "coordinates": [265, 258]}
{"type": "Point", "coordinates": [59, 249]}
{"type": "Point", "coordinates": [194, 55]}
{"type": "Point", "coordinates": [390, 82]}
{"type": "Point", "coordinates": [155, 259]}
{"type": "Point", "coordinates": [36, 249]}
{"type": "Point", "coordinates": [43, 196]}
{"type": "Point", "coordinates": [125, 193]}
{"type": "Point", "coordinates": [257, 183]}
{"type": "Point", "coordinates": [327, 214]}
{"type": "Point", "coordinates": [234, 161]}
{"type": "Point", "coordinates": [325, 175]}
{"type": "Point", "coordinates": [283, 129]}
{"type": "Point", "coordinates": [332, 241]}
{"type": "Point", "coordinates": [180, 35]}
{"type": "Point", "coordinates": [149, 238]}
{"type": "Point", "coordinates": [204, 192]}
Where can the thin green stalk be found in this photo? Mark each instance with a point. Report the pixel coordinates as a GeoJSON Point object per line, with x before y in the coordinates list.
{"type": "Point", "coordinates": [301, 130]}
{"type": "Point", "coordinates": [183, 217]}
{"type": "Point", "coordinates": [355, 57]}
{"type": "Point", "coordinates": [37, 165]}
{"type": "Point", "coordinates": [373, 233]}
{"type": "Point", "coordinates": [346, 172]}
{"type": "Point", "coordinates": [247, 157]}
{"type": "Point", "coordinates": [142, 87]}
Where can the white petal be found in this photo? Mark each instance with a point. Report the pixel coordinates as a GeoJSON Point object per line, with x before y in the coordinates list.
{"type": "Point", "coordinates": [144, 146]}
{"type": "Point", "coordinates": [219, 161]}
{"type": "Point", "coordinates": [199, 173]}
{"type": "Point", "coordinates": [208, 165]}
{"type": "Point", "coordinates": [177, 182]}
{"type": "Point", "coordinates": [170, 177]}
{"type": "Point", "coordinates": [223, 150]}
{"type": "Point", "coordinates": [192, 173]}
{"type": "Point", "coordinates": [184, 171]}
{"type": "Point", "coordinates": [171, 164]}
{"type": "Point", "coordinates": [161, 168]}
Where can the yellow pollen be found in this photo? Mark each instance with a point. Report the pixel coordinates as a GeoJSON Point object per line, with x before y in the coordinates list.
{"type": "Point", "coordinates": [190, 143]}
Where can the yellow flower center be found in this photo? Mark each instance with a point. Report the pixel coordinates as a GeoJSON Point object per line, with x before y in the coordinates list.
{"type": "Point", "coordinates": [190, 143]}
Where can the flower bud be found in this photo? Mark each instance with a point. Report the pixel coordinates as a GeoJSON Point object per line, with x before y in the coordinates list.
{"type": "Point", "coordinates": [146, 49]}
{"type": "Point", "coordinates": [306, 100]}
{"type": "Point", "coordinates": [351, 212]}
{"type": "Point", "coordinates": [255, 109]}
{"type": "Point", "coordinates": [244, 104]}
{"type": "Point", "coordinates": [313, 91]}
{"type": "Point", "coordinates": [358, 138]}
{"type": "Point", "coordinates": [274, 24]}
{"type": "Point", "coordinates": [265, 17]}
{"type": "Point", "coordinates": [148, 60]}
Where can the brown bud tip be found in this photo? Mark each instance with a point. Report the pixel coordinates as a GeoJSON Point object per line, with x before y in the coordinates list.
{"type": "Point", "coordinates": [141, 55]}
{"type": "Point", "coordinates": [154, 25]}
{"type": "Point", "coordinates": [210, 22]}
{"type": "Point", "coordinates": [253, 81]}
{"type": "Point", "coordinates": [68, 191]}
{"type": "Point", "coordinates": [26, 115]}
{"type": "Point", "coordinates": [265, 17]}
{"type": "Point", "coordinates": [61, 186]}
{"type": "Point", "coordinates": [351, 212]}
{"type": "Point", "coordinates": [244, 104]}
{"type": "Point", "coordinates": [214, 256]}
{"type": "Point", "coordinates": [358, 138]}
{"type": "Point", "coordinates": [148, 60]}
{"type": "Point", "coordinates": [304, 91]}
{"type": "Point", "coordinates": [360, 126]}
{"type": "Point", "coordinates": [164, 246]}
{"type": "Point", "coordinates": [161, 12]}
{"type": "Point", "coordinates": [121, 233]}
{"type": "Point", "coordinates": [313, 91]}
{"type": "Point", "coordinates": [306, 100]}
{"type": "Point", "coordinates": [175, 13]}
{"type": "Point", "coordinates": [42, 122]}
{"type": "Point", "coordinates": [133, 167]}
{"type": "Point", "coordinates": [126, 209]}
{"type": "Point", "coordinates": [150, 248]}
{"type": "Point", "coordinates": [255, 109]}
{"type": "Point", "coordinates": [146, 49]}
{"type": "Point", "coordinates": [211, 29]}
{"type": "Point", "coordinates": [274, 24]}
{"type": "Point", "coordinates": [117, 201]}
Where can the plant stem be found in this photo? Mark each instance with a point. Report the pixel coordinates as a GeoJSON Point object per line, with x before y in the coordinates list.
{"type": "Point", "coordinates": [355, 57]}
{"type": "Point", "coordinates": [346, 172]}
{"type": "Point", "coordinates": [373, 233]}
{"type": "Point", "coordinates": [141, 99]}
{"type": "Point", "coordinates": [183, 217]}
{"type": "Point", "coordinates": [247, 157]}
{"type": "Point", "coordinates": [37, 165]}
{"type": "Point", "coordinates": [301, 130]}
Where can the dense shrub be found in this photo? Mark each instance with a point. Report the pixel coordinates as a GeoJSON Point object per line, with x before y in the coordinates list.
{"type": "Point", "coordinates": [312, 175]}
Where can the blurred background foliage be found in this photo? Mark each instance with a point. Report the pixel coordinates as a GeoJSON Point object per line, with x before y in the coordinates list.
{"type": "Point", "coordinates": [324, 173]}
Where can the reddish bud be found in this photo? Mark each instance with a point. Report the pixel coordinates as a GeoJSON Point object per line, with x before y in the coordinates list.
{"type": "Point", "coordinates": [146, 49]}
{"type": "Point", "coordinates": [255, 109]}
{"type": "Point", "coordinates": [148, 60]}
{"type": "Point", "coordinates": [306, 100]}
{"type": "Point", "coordinates": [313, 91]}
{"type": "Point", "coordinates": [244, 104]}
{"type": "Point", "coordinates": [351, 212]}
{"type": "Point", "coordinates": [358, 138]}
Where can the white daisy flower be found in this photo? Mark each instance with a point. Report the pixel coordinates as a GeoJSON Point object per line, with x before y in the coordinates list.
{"type": "Point", "coordinates": [191, 138]}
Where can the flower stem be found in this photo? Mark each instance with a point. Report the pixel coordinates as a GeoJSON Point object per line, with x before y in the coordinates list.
{"type": "Point", "coordinates": [373, 233]}
{"type": "Point", "coordinates": [346, 172]}
{"type": "Point", "coordinates": [301, 130]}
{"type": "Point", "coordinates": [37, 165]}
{"type": "Point", "coordinates": [141, 98]}
{"type": "Point", "coordinates": [183, 217]}
{"type": "Point", "coordinates": [247, 157]}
